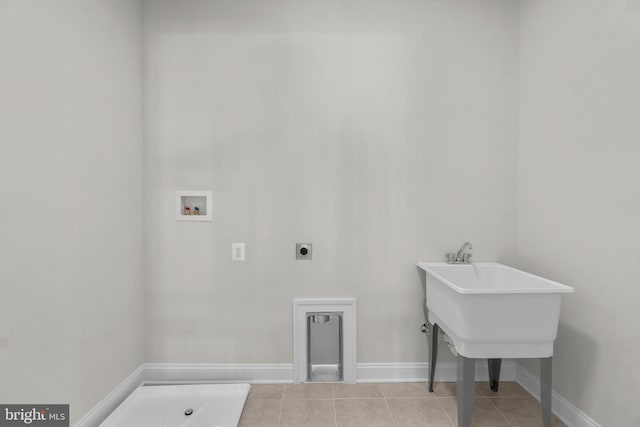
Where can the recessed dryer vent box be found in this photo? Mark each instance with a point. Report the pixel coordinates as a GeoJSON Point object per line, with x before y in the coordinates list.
{"type": "Point", "coordinates": [193, 205]}
{"type": "Point", "coordinates": [304, 251]}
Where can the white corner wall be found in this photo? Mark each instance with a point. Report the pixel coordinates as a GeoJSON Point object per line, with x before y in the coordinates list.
{"type": "Point", "coordinates": [71, 301]}
{"type": "Point", "coordinates": [381, 131]}
{"type": "Point", "coordinates": [579, 191]}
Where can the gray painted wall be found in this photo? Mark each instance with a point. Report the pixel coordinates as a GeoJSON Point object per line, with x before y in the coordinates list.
{"type": "Point", "coordinates": [578, 188]}
{"type": "Point", "coordinates": [382, 132]}
{"type": "Point", "coordinates": [71, 298]}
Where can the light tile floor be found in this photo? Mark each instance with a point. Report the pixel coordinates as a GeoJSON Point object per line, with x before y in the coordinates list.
{"type": "Point", "coordinates": [386, 405]}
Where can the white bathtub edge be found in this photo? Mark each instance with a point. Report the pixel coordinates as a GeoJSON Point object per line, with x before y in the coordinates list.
{"type": "Point", "coordinates": [98, 413]}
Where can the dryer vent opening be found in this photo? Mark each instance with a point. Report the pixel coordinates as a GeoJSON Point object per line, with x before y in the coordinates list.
{"type": "Point", "coordinates": [324, 347]}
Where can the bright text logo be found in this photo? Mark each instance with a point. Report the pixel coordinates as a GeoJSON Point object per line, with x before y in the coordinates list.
{"type": "Point", "coordinates": [34, 415]}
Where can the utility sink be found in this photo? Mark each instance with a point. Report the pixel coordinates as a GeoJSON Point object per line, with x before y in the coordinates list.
{"type": "Point", "coordinates": [490, 310]}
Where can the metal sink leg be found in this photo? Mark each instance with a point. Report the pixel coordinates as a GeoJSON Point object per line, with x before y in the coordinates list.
{"type": "Point", "coordinates": [433, 353]}
{"type": "Point", "coordinates": [494, 373]}
{"type": "Point", "coordinates": [545, 390]}
{"type": "Point", "coordinates": [465, 390]}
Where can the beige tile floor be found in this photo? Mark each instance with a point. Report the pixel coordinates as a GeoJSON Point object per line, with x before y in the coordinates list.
{"type": "Point", "coordinates": [385, 405]}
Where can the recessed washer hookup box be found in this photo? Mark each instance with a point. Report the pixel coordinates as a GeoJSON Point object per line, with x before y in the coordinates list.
{"type": "Point", "coordinates": [34, 415]}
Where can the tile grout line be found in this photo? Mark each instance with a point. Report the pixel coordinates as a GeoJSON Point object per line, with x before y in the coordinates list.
{"type": "Point", "coordinates": [335, 412]}
{"type": "Point", "coordinates": [445, 412]}
{"type": "Point", "coordinates": [372, 398]}
{"type": "Point", "coordinates": [492, 398]}
{"type": "Point", "coordinates": [281, 405]}
{"type": "Point", "coordinates": [390, 413]}
{"type": "Point", "coordinates": [501, 413]}
{"type": "Point", "coordinates": [381, 391]}
{"type": "Point", "coordinates": [386, 403]}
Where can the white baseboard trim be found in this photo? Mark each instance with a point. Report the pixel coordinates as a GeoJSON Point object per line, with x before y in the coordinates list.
{"type": "Point", "coordinates": [99, 412]}
{"type": "Point", "coordinates": [419, 372]}
{"type": "Point", "coordinates": [155, 373]}
{"type": "Point", "coordinates": [561, 407]}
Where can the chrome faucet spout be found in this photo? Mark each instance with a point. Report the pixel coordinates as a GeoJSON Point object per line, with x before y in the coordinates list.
{"type": "Point", "coordinates": [460, 253]}
{"type": "Point", "coordinates": [461, 257]}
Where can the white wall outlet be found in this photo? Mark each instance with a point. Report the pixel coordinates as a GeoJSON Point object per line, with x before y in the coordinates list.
{"type": "Point", "coordinates": [237, 252]}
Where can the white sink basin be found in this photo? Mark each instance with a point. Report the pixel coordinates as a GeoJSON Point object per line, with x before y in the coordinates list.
{"type": "Point", "coordinates": [490, 310]}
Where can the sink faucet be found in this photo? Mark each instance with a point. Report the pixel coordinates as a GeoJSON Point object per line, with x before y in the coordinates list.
{"type": "Point", "coordinates": [461, 257]}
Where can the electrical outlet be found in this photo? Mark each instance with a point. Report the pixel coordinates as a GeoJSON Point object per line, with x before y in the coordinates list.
{"type": "Point", "coordinates": [237, 252]}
